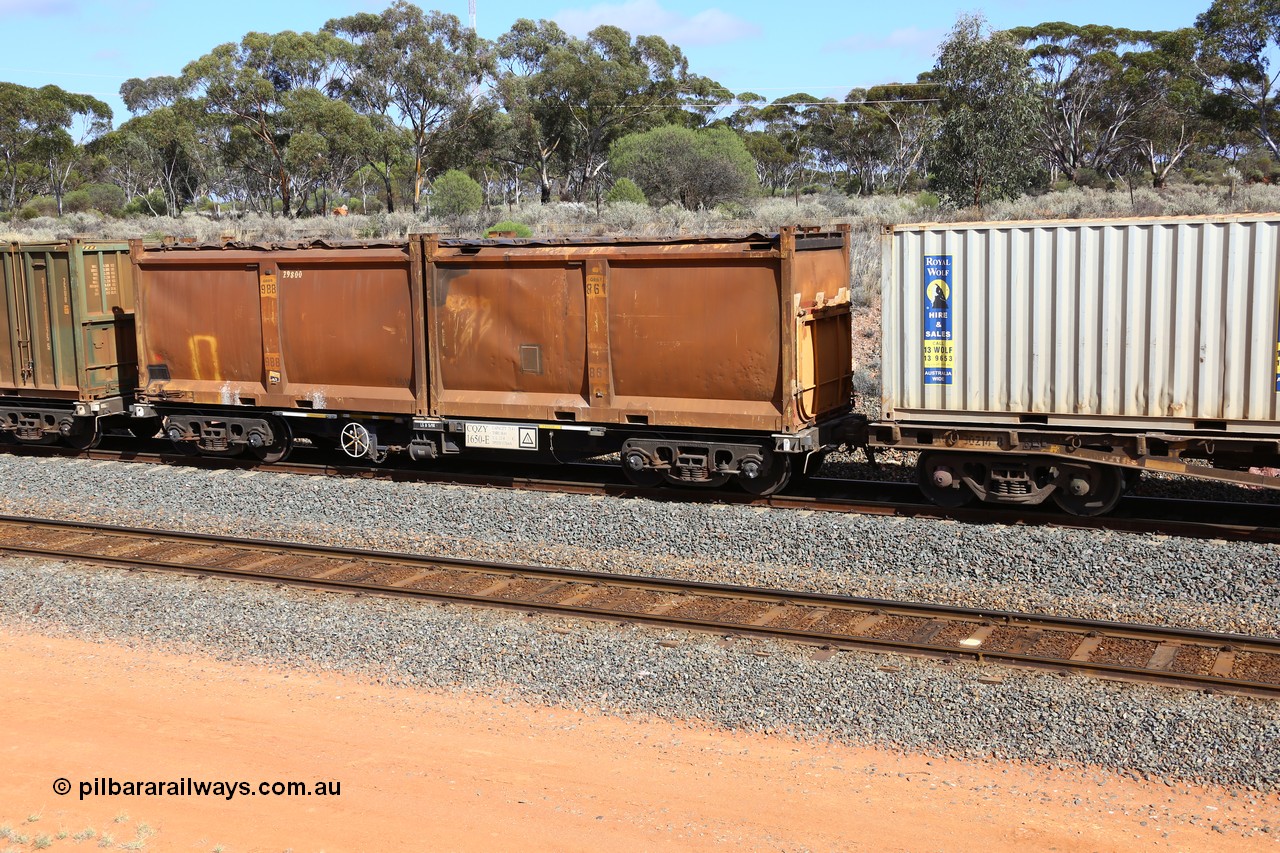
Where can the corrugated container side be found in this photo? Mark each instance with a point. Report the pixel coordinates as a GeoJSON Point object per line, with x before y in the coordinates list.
{"type": "Point", "coordinates": [68, 314]}
{"type": "Point", "coordinates": [1168, 323]}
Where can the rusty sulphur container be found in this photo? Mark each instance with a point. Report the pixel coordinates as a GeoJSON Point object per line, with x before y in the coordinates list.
{"type": "Point", "coordinates": [1161, 323]}
{"type": "Point", "coordinates": [68, 333]}
{"type": "Point", "coordinates": [721, 333]}
{"type": "Point", "coordinates": [291, 326]}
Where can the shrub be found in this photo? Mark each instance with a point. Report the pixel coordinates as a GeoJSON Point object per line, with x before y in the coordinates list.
{"type": "Point", "coordinates": [104, 198]}
{"type": "Point", "coordinates": [927, 200]}
{"type": "Point", "coordinates": [455, 193]}
{"type": "Point", "coordinates": [510, 225]}
{"type": "Point", "coordinates": [625, 189]}
{"type": "Point", "coordinates": [41, 205]}
{"type": "Point", "coordinates": [152, 204]}
{"type": "Point", "coordinates": [1092, 179]}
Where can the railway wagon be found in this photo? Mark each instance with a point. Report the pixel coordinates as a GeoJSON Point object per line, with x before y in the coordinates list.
{"type": "Point", "coordinates": [1060, 359]}
{"type": "Point", "coordinates": [67, 346]}
{"type": "Point", "coordinates": [699, 360]}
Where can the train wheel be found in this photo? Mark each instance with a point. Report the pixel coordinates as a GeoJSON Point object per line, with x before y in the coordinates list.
{"type": "Point", "coordinates": [280, 448]}
{"type": "Point", "coordinates": [633, 466]}
{"type": "Point", "coordinates": [85, 439]}
{"type": "Point", "coordinates": [938, 475]}
{"type": "Point", "coordinates": [1090, 489]}
{"type": "Point", "coordinates": [771, 480]}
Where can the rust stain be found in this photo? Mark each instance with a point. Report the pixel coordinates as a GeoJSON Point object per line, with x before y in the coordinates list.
{"type": "Point", "coordinates": [467, 319]}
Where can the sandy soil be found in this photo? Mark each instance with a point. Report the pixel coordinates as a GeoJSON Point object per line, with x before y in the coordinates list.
{"type": "Point", "coordinates": [425, 771]}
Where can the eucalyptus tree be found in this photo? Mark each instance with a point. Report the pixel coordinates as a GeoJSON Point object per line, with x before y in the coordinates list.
{"type": "Point", "coordinates": [902, 118]}
{"type": "Point", "coordinates": [36, 141]}
{"type": "Point", "coordinates": [1171, 122]}
{"type": "Point", "coordinates": [534, 99]}
{"type": "Point", "coordinates": [264, 92]}
{"type": "Point", "coordinates": [612, 86]}
{"type": "Point", "coordinates": [1091, 89]}
{"type": "Point", "coordinates": [779, 136]}
{"type": "Point", "coordinates": [1239, 41]}
{"type": "Point", "coordinates": [990, 106]}
{"type": "Point", "coordinates": [422, 71]}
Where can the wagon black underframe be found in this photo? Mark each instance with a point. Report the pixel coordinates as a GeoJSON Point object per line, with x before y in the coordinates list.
{"type": "Point", "coordinates": [1209, 456]}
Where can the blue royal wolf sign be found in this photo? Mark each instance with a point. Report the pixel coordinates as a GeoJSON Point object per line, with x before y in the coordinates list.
{"type": "Point", "coordinates": [939, 296]}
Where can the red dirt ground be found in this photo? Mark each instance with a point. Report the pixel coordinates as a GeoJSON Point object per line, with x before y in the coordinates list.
{"type": "Point", "coordinates": [431, 771]}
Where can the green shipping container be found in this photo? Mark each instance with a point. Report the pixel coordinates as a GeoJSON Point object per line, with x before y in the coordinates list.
{"type": "Point", "coordinates": [67, 346]}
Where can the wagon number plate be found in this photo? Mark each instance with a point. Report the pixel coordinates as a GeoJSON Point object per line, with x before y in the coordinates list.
{"type": "Point", "coordinates": [502, 436]}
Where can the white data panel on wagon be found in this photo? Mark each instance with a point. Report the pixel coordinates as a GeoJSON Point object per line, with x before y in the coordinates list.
{"type": "Point", "coordinates": [502, 436]}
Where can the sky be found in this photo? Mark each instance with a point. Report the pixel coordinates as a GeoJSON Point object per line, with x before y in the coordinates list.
{"type": "Point", "coordinates": [771, 48]}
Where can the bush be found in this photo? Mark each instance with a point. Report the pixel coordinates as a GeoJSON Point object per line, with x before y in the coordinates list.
{"type": "Point", "coordinates": [510, 225]}
{"type": "Point", "coordinates": [697, 169]}
{"type": "Point", "coordinates": [1092, 179]}
{"type": "Point", "coordinates": [927, 200]}
{"type": "Point", "coordinates": [41, 205]}
{"type": "Point", "coordinates": [455, 193]}
{"type": "Point", "coordinates": [625, 189]}
{"type": "Point", "coordinates": [105, 198]}
{"type": "Point", "coordinates": [627, 217]}
{"type": "Point", "coordinates": [152, 204]}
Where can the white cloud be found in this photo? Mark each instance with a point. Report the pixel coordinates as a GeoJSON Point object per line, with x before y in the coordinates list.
{"type": "Point", "coordinates": [908, 40]}
{"type": "Point", "coordinates": [648, 17]}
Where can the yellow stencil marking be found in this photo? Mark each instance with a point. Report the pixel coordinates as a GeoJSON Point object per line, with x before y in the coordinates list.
{"type": "Point", "coordinates": [204, 349]}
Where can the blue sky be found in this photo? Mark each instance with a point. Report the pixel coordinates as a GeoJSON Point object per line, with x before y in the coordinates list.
{"type": "Point", "coordinates": [771, 48]}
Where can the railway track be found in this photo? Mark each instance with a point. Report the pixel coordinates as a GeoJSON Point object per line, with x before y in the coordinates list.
{"type": "Point", "coordinates": [1149, 515]}
{"type": "Point", "coordinates": [1185, 658]}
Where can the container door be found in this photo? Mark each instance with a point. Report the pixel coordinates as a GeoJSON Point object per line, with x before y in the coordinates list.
{"type": "Point", "coordinates": [824, 359]}
{"type": "Point", "coordinates": [13, 358]}
{"type": "Point", "coordinates": [46, 340]}
{"type": "Point", "coordinates": [105, 320]}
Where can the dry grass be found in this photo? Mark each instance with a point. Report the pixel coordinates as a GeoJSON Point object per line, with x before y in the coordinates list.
{"type": "Point", "coordinates": [571, 219]}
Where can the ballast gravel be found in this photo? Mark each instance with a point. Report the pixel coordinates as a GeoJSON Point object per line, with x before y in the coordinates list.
{"type": "Point", "coordinates": [923, 705]}
{"type": "Point", "coordinates": [1205, 584]}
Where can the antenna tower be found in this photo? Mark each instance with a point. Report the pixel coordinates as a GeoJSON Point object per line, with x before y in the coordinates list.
{"type": "Point", "coordinates": [471, 8]}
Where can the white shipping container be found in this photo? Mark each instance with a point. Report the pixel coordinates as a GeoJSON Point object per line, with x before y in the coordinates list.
{"type": "Point", "coordinates": [1163, 323]}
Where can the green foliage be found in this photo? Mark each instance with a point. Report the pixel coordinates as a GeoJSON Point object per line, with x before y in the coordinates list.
{"type": "Point", "coordinates": [625, 189]}
{"type": "Point", "coordinates": [697, 169]}
{"type": "Point", "coordinates": [455, 193]}
{"type": "Point", "coordinates": [926, 200]}
{"type": "Point", "coordinates": [417, 72]}
{"type": "Point", "coordinates": [41, 205]}
{"type": "Point", "coordinates": [510, 225]}
{"type": "Point", "coordinates": [570, 99]}
{"type": "Point", "coordinates": [1238, 42]}
{"type": "Point", "coordinates": [990, 110]}
{"type": "Point", "coordinates": [104, 198]}
{"type": "Point", "coordinates": [35, 138]}
{"type": "Point", "coordinates": [153, 203]}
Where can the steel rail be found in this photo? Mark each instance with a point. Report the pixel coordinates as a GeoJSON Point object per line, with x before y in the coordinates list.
{"type": "Point", "coordinates": [1130, 652]}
